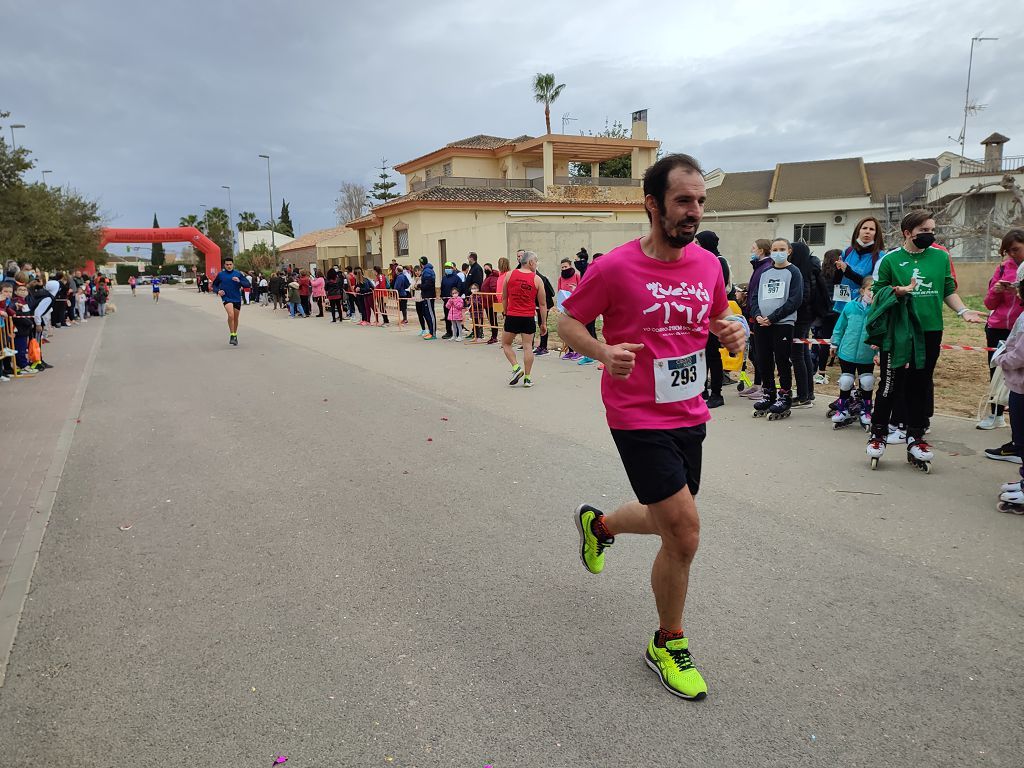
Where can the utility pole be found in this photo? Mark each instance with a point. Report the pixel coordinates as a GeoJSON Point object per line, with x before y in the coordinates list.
{"type": "Point", "coordinates": [231, 225]}
{"type": "Point", "coordinates": [270, 191]}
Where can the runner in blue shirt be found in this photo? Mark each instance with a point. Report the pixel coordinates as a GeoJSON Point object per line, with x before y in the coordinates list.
{"type": "Point", "coordinates": [156, 290]}
{"type": "Point", "coordinates": [228, 284]}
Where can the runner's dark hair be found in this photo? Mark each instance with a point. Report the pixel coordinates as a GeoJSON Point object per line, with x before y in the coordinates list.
{"type": "Point", "coordinates": [656, 177]}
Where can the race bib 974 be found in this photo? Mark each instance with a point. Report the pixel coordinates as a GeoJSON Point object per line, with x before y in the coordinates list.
{"type": "Point", "coordinates": [679, 378]}
{"type": "Point", "coordinates": [842, 293]}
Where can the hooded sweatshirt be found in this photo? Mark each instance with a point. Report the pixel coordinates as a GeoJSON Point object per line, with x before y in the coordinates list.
{"type": "Point", "coordinates": [1005, 305]}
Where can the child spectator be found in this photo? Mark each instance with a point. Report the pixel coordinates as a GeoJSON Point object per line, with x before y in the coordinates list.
{"type": "Point", "coordinates": [855, 359]}
{"type": "Point", "coordinates": [456, 304]}
{"type": "Point", "coordinates": [295, 306]}
{"type": "Point", "coordinates": [1011, 360]}
{"type": "Point", "coordinates": [24, 327]}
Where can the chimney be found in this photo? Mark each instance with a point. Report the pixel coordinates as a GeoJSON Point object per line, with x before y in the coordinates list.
{"type": "Point", "coordinates": [994, 151]}
{"type": "Point", "coordinates": [639, 129]}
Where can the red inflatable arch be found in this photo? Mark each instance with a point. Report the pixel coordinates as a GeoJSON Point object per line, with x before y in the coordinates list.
{"type": "Point", "coordinates": [189, 235]}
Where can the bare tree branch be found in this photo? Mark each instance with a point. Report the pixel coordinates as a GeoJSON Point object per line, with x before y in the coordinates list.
{"type": "Point", "coordinates": [351, 202]}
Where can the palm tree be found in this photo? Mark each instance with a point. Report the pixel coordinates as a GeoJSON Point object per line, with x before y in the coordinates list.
{"type": "Point", "coordinates": [247, 222]}
{"type": "Point", "coordinates": [191, 221]}
{"type": "Point", "coordinates": [545, 91]}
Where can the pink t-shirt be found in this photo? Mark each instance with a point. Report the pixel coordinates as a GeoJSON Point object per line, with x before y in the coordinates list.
{"type": "Point", "coordinates": [667, 307]}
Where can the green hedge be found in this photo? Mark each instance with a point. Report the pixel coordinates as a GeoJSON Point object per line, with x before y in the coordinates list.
{"type": "Point", "coordinates": [124, 271]}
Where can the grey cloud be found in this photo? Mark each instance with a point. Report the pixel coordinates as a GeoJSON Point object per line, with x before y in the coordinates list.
{"type": "Point", "coordinates": [154, 107]}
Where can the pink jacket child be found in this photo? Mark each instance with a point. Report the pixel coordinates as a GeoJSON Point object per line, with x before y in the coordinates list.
{"type": "Point", "coordinates": [456, 305]}
{"type": "Point", "coordinates": [1005, 305]}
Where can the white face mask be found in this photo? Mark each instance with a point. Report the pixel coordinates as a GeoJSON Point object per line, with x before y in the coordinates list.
{"type": "Point", "coordinates": [862, 244]}
{"type": "Point", "coordinates": [779, 257]}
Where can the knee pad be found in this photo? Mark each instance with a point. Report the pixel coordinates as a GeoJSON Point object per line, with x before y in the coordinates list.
{"type": "Point", "coordinates": [867, 382]}
{"type": "Point", "coordinates": [846, 382]}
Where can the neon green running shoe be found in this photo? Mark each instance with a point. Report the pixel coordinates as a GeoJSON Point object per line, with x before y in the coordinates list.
{"type": "Point", "coordinates": [591, 548]}
{"type": "Point", "coordinates": [675, 669]}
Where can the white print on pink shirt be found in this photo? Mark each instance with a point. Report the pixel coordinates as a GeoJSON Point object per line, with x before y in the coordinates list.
{"type": "Point", "coordinates": [664, 300]}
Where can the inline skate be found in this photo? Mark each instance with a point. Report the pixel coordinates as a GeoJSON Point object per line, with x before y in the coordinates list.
{"type": "Point", "coordinates": [843, 415]}
{"type": "Point", "coordinates": [875, 450]}
{"type": "Point", "coordinates": [919, 454]}
{"type": "Point", "coordinates": [780, 409]}
{"type": "Point", "coordinates": [1011, 500]}
{"type": "Point", "coordinates": [761, 406]}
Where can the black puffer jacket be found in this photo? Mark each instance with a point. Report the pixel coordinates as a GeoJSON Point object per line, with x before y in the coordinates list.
{"type": "Point", "coordinates": [816, 301]}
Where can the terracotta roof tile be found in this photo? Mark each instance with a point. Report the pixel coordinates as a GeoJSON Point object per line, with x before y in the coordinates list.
{"type": "Point", "coordinates": [484, 141]}
{"type": "Point", "coordinates": [893, 177]}
{"type": "Point", "coordinates": [471, 195]}
{"type": "Point", "coordinates": [820, 179]}
{"type": "Point", "coordinates": [744, 191]}
{"type": "Point", "coordinates": [312, 238]}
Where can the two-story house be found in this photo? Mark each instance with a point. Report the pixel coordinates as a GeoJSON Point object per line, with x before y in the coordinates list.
{"type": "Point", "coordinates": [494, 196]}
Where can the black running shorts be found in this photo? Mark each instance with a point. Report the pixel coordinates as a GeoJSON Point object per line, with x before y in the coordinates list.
{"type": "Point", "coordinates": [236, 304]}
{"type": "Point", "coordinates": [527, 325]}
{"type": "Point", "coordinates": [659, 462]}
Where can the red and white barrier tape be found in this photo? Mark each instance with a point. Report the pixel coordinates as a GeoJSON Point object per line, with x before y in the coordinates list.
{"type": "Point", "coordinates": [954, 347]}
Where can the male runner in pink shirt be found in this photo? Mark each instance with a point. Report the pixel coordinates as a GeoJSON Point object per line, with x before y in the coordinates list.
{"type": "Point", "coordinates": [659, 296]}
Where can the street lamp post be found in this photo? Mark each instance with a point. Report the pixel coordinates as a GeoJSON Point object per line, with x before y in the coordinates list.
{"type": "Point", "coordinates": [967, 95]}
{"type": "Point", "coordinates": [44, 176]}
{"type": "Point", "coordinates": [14, 145]}
{"type": "Point", "coordinates": [270, 192]}
{"type": "Point", "coordinates": [231, 225]}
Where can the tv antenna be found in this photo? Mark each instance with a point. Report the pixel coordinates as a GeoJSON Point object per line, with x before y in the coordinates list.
{"type": "Point", "coordinates": [567, 118]}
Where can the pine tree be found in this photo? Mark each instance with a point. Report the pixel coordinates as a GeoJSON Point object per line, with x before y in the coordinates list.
{"type": "Point", "coordinates": [284, 221]}
{"type": "Point", "coordinates": [381, 191]}
{"type": "Point", "coordinates": [156, 257]}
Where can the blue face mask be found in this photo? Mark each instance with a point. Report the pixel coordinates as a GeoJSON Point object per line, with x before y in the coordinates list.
{"type": "Point", "coordinates": [754, 257]}
{"type": "Point", "coordinates": [448, 271]}
{"type": "Point", "coordinates": [779, 257]}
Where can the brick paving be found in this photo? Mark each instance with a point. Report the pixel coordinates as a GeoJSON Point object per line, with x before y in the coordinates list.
{"type": "Point", "coordinates": [34, 412]}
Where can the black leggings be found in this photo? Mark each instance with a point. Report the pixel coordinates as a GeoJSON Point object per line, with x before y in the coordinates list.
{"type": "Point", "coordinates": [992, 338]}
{"type": "Point", "coordinates": [337, 312]}
{"type": "Point", "coordinates": [716, 374]}
{"type": "Point", "coordinates": [774, 350]}
{"type": "Point", "coordinates": [821, 352]}
{"type": "Point", "coordinates": [910, 386]}
{"type": "Point", "coordinates": [403, 307]}
{"type": "Point", "coordinates": [803, 370]}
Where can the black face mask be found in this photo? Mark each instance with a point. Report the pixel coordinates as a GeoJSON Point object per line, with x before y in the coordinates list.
{"type": "Point", "coordinates": [567, 273]}
{"type": "Point", "coordinates": [924, 240]}
{"type": "Point", "coordinates": [487, 271]}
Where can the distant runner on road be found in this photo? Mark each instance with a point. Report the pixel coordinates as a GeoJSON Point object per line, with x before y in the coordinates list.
{"type": "Point", "coordinates": [228, 284]}
{"type": "Point", "coordinates": [659, 296]}
{"type": "Point", "coordinates": [156, 290]}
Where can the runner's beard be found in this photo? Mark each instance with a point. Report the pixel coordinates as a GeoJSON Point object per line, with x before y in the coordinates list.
{"type": "Point", "coordinates": [677, 238]}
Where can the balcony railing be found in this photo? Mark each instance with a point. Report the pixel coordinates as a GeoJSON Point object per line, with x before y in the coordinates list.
{"type": "Point", "coordinates": [1014, 164]}
{"type": "Point", "coordinates": [477, 183]}
{"type": "Point", "coordinates": [590, 181]}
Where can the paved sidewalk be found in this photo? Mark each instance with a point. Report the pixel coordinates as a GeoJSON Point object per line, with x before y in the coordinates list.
{"type": "Point", "coordinates": [39, 416]}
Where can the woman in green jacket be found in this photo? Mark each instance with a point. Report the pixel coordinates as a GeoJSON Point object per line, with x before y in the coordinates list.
{"type": "Point", "coordinates": [923, 275]}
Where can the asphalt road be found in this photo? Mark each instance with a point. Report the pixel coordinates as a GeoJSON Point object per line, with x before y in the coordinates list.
{"type": "Point", "coordinates": [354, 548]}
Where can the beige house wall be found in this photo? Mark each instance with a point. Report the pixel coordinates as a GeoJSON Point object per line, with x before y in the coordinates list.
{"type": "Point", "coordinates": [476, 167]}
{"type": "Point", "coordinates": [555, 237]}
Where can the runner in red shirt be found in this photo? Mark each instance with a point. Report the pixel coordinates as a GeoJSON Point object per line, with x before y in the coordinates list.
{"type": "Point", "coordinates": [659, 296]}
{"type": "Point", "coordinates": [522, 293]}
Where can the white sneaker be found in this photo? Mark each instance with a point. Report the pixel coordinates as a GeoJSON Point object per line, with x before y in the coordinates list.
{"type": "Point", "coordinates": [820, 378]}
{"type": "Point", "coordinates": [4, 378]}
{"type": "Point", "coordinates": [896, 435]}
{"type": "Point", "coordinates": [991, 421]}
{"type": "Point", "coordinates": [1010, 487]}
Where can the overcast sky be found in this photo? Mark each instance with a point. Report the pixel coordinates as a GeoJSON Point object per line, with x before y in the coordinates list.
{"type": "Point", "coordinates": [151, 107]}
